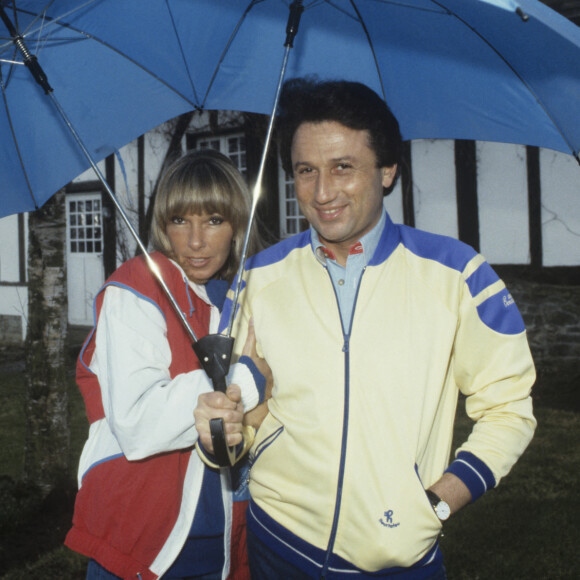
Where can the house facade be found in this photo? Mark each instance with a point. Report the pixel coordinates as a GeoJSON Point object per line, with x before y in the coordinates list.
{"type": "Point", "coordinates": [519, 206]}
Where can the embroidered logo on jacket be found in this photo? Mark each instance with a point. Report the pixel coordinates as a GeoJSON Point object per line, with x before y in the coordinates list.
{"type": "Point", "coordinates": [508, 300]}
{"type": "Point", "coordinates": [387, 520]}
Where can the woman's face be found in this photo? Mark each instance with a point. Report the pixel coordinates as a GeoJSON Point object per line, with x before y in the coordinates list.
{"type": "Point", "coordinates": [201, 244]}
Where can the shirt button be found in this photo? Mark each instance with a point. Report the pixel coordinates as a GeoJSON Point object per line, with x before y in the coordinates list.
{"type": "Point", "coordinates": [341, 282]}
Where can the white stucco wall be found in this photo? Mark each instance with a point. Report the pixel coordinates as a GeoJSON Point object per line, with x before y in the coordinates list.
{"type": "Point", "coordinates": [560, 182]}
{"type": "Point", "coordinates": [9, 271]}
{"type": "Point", "coordinates": [434, 186]}
{"type": "Point", "coordinates": [394, 204]}
{"type": "Point", "coordinates": [14, 302]}
{"type": "Point", "coordinates": [503, 203]}
{"type": "Point", "coordinates": [13, 297]}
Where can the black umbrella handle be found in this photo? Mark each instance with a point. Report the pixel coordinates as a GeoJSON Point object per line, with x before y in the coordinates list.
{"type": "Point", "coordinates": [29, 59]}
{"type": "Point", "coordinates": [296, 10]}
{"type": "Point", "coordinates": [214, 352]}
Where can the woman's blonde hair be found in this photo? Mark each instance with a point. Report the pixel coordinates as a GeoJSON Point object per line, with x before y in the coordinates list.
{"type": "Point", "coordinates": [204, 181]}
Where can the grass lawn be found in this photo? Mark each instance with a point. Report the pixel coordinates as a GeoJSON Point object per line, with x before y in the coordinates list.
{"type": "Point", "coordinates": [526, 528]}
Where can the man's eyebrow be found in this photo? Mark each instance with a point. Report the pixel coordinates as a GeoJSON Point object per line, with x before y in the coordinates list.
{"type": "Point", "coordinates": [340, 159]}
{"type": "Point", "coordinates": [300, 163]}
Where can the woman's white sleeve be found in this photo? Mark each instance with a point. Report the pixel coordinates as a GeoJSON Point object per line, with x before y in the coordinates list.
{"type": "Point", "coordinates": [147, 411]}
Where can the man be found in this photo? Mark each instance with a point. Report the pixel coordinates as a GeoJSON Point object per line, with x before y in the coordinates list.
{"type": "Point", "coordinates": [371, 330]}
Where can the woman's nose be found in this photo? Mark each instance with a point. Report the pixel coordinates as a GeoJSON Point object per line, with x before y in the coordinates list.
{"type": "Point", "coordinates": [196, 237]}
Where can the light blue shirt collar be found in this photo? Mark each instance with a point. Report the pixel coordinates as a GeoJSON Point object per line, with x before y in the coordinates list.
{"type": "Point", "coordinates": [345, 280]}
{"type": "Point", "coordinates": [369, 242]}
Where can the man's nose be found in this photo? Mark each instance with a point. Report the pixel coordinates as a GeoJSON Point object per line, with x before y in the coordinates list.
{"type": "Point", "coordinates": [324, 190]}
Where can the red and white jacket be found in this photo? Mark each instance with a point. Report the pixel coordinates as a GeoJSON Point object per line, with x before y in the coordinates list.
{"type": "Point", "coordinates": [139, 476]}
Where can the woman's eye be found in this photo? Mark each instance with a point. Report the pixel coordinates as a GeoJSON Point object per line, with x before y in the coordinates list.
{"type": "Point", "coordinates": [216, 220]}
{"type": "Point", "coordinates": [177, 220]}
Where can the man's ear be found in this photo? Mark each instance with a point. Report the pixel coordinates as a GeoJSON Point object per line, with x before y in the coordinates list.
{"type": "Point", "coordinates": [389, 174]}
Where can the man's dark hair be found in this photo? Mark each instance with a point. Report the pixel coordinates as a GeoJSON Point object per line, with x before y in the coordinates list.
{"type": "Point", "coordinates": [354, 105]}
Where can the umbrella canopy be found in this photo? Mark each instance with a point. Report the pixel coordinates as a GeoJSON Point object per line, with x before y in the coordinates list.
{"type": "Point", "coordinates": [493, 70]}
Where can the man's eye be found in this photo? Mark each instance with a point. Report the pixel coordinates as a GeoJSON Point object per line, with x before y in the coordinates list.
{"type": "Point", "coordinates": [304, 170]}
{"type": "Point", "coordinates": [343, 166]}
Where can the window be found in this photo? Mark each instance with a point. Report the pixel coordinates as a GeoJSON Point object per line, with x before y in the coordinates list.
{"type": "Point", "coordinates": [291, 220]}
{"type": "Point", "coordinates": [234, 146]}
{"type": "Point", "coordinates": [85, 226]}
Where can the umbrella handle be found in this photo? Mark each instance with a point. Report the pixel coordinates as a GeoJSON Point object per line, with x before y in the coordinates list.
{"type": "Point", "coordinates": [296, 10]}
{"type": "Point", "coordinates": [214, 352]}
{"type": "Point", "coordinates": [225, 456]}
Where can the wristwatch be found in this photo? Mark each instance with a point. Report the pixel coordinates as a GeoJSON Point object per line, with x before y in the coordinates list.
{"type": "Point", "coordinates": [441, 507]}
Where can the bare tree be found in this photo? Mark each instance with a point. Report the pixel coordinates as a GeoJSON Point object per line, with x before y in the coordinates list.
{"type": "Point", "coordinates": [47, 451]}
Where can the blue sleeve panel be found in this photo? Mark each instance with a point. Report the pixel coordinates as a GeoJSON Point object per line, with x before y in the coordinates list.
{"type": "Point", "coordinates": [500, 313]}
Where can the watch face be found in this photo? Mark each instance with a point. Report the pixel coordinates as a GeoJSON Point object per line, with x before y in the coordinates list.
{"type": "Point", "coordinates": [442, 510]}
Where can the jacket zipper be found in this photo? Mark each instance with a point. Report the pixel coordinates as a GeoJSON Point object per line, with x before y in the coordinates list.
{"type": "Point", "coordinates": [346, 350]}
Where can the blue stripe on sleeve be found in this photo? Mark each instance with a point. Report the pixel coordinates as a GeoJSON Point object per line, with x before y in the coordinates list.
{"type": "Point", "coordinates": [279, 251]}
{"type": "Point", "coordinates": [474, 473]}
{"type": "Point", "coordinates": [482, 278]}
{"type": "Point", "coordinates": [259, 378]}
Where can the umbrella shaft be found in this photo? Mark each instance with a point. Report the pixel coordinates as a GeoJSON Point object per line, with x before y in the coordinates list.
{"type": "Point", "coordinates": [256, 192]}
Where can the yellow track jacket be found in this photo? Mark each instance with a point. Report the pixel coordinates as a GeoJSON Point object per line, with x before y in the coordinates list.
{"type": "Point", "coordinates": [360, 425]}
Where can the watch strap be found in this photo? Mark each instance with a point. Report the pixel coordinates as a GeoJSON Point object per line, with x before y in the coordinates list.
{"type": "Point", "coordinates": [433, 498]}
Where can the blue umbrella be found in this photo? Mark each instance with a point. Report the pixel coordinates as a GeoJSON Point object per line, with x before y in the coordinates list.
{"type": "Point", "coordinates": [493, 70]}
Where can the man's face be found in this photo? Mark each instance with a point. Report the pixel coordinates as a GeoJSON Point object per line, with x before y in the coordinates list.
{"type": "Point", "coordinates": [338, 184]}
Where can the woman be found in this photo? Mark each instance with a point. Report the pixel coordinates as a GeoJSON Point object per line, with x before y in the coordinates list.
{"type": "Point", "coordinates": [147, 506]}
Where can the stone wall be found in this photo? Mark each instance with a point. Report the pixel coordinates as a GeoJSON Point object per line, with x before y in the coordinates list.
{"type": "Point", "coordinates": [552, 316]}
